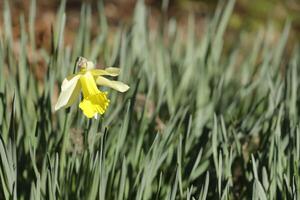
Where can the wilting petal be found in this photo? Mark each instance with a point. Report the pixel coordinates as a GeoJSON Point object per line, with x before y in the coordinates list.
{"type": "Point", "coordinates": [110, 71]}
{"type": "Point", "coordinates": [90, 65]}
{"type": "Point", "coordinates": [117, 85]}
{"type": "Point", "coordinates": [70, 91]}
{"type": "Point", "coordinates": [94, 104]}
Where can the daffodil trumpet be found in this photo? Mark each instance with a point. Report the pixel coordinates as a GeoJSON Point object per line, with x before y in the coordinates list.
{"type": "Point", "coordinates": [94, 101]}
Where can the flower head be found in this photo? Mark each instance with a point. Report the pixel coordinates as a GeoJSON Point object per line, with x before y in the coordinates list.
{"type": "Point", "coordinates": [94, 100]}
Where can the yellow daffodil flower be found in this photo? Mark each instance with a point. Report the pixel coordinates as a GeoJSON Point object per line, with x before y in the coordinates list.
{"type": "Point", "coordinates": [94, 100]}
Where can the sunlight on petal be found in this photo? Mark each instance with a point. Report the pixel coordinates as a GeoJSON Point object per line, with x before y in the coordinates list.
{"type": "Point", "coordinates": [110, 71]}
{"type": "Point", "coordinates": [116, 85]}
{"type": "Point", "coordinates": [70, 91]}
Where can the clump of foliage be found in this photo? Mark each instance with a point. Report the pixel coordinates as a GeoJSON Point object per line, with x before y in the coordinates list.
{"type": "Point", "coordinates": [198, 122]}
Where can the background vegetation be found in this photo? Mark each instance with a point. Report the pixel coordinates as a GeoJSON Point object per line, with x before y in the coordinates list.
{"type": "Point", "coordinates": [204, 119]}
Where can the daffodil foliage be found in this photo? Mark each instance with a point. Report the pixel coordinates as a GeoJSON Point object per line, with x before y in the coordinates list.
{"type": "Point", "coordinates": [210, 114]}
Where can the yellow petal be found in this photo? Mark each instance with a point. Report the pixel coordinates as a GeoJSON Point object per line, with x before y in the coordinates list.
{"type": "Point", "coordinates": [88, 85]}
{"type": "Point", "coordinates": [117, 85]}
{"type": "Point", "coordinates": [110, 71]}
{"type": "Point", "coordinates": [70, 91]}
{"type": "Point", "coordinates": [94, 104]}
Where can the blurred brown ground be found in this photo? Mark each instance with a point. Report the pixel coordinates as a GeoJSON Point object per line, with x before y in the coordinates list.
{"type": "Point", "coordinates": [247, 16]}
